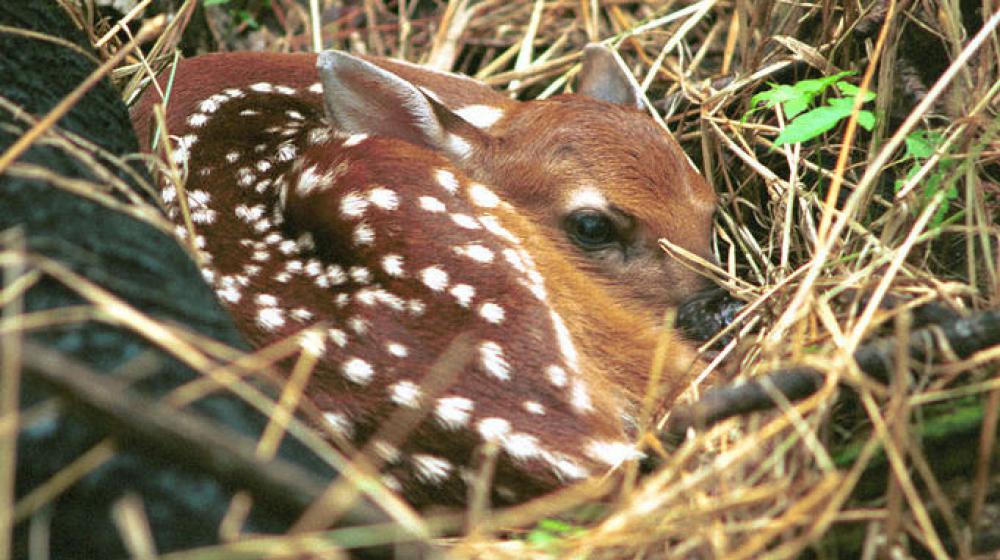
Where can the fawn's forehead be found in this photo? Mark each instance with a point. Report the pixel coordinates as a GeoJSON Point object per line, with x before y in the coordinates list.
{"type": "Point", "coordinates": [605, 155]}
{"type": "Point", "coordinates": [608, 143]}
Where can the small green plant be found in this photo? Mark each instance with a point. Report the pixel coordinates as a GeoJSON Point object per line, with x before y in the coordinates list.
{"type": "Point", "coordinates": [548, 535]}
{"type": "Point", "coordinates": [240, 15]}
{"type": "Point", "coordinates": [920, 146]}
{"type": "Point", "coordinates": [796, 100]}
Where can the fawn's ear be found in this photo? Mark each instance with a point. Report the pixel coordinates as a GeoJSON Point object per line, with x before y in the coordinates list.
{"type": "Point", "coordinates": [361, 98]}
{"type": "Point", "coordinates": [605, 77]}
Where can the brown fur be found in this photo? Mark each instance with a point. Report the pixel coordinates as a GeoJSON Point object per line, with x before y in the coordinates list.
{"type": "Point", "coordinates": [533, 158]}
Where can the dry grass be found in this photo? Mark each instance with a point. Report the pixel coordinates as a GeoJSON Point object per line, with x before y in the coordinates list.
{"type": "Point", "coordinates": [813, 235]}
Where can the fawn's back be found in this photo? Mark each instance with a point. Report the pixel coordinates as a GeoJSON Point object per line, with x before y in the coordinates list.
{"type": "Point", "coordinates": [376, 210]}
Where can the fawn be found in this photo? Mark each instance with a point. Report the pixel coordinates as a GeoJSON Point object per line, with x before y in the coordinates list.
{"type": "Point", "coordinates": [397, 207]}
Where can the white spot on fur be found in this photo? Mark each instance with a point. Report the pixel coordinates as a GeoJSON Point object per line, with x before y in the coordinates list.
{"type": "Point", "coordinates": [262, 87]}
{"type": "Point", "coordinates": [434, 278]}
{"type": "Point", "coordinates": [245, 177]}
{"type": "Point", "coordinates": [482, 196]}
{"type": "Point", "coordinates": [447, 180]}
{"type": "Point", "coordinates": [393, 265]}
{"type": "Point", "coordinates": [197, 120]}
{"type": "Point", "coordinates": [416, 307]}
{"type": "Point", "coordinates": [463, 293]}
{"type": "Point", "coordinates": [476, 252]}
{"type": "Point", "coordinates": [301, 314]}
{"type": "Point", "coordinates": [566, 346]}
{"type": "Point", "coordinates": [493, 429]}
{"type": "Point", "coordinates": [453, 412]}
{"type": "Point", "coordinates": [338, 337]}
{"type": "Point", "coordinates": [466, 221]}
{"type": "Point", "coordinates": [534, 407]}
{"type": "Point", "coordinates": [521, 447]}
{"type": "Point", "coordinates": [357, 324]}
{"type": "Point", "coordinates": [579, 396]}
{"type": "Point", "coordinates": [431, 469]}
{"type": "Point", "coordinates": [335, 274]}
{"type": "Point", "coordinates": [310, 181]}
{"type": "Point", "coordinates": [229, 294]}
{"type": "Point", "coordinates": [357, 371]}
{"type": "Point", "coordinates": [513, 259]}
{"type": "Point", "coordinates": [209, 105]}
{"type": "Point", "coordinates": [493, 361]}
{"type": "Point", "coordinates": [405, 393]}
{"type": "Point", "coordinates": [249, 214]}
{"type": "Point", "coordinates": [270, 318]}
{"type": "Point", "coordinates": [360, 274]}
{"type": "Point", "coordinates": [492, 225]}
{"type": "Point", "coordinates": [266, 300]}
{"type": "Point", "coordinates": [353, 205]}
{"type": "Point", "coordinates": [431, 204]}
{"type": "Point", "coordinates": [384, 198]}
{"type": "Point", "coordinates": [557, 375]}
{"type": "Point", "coordinates": [492, 313]}
{"type": "Point", "coordinates": [396, 349]}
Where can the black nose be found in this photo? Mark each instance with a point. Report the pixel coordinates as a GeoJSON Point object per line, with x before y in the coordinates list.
{"type": "Point", "coordinates": [707, 312]}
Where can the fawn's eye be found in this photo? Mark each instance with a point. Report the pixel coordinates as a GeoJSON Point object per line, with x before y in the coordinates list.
{"type": "Point", "coordinates": [591, 229]}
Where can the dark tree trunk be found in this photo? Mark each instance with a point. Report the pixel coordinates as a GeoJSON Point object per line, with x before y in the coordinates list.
{"type": "Point", "coordinates": [183, 501]}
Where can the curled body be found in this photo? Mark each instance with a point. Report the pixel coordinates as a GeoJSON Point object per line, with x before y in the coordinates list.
{"type": "Point", "coordinates": [375, 210]}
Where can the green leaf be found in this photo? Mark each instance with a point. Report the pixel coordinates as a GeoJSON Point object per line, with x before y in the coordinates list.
{"type": "Point", "coordinates": [866, 120]}
{"type": "Point", "coordinates": [557, 526]}
{"type": "Point", "coordinates": [793, 107]}
{"type": "Point", "coordinates": [215, 2]}
{"type": "Point", "coordinates": [246, 16]}
{"type": "Point", "coordinates": [841, 103]}
{"type": "Point", "coordinates": [777, 94]}
{"type": "Point", "coordinates": [811, 124]}
{"type": "Point", "coordinates": [541, 539]}
{"type": "Point", "coordinates": [818, 85]}
{"type": "Point", "coordinates": [921, 143]}
{"type": "Point", "coordinates": [852, 90]}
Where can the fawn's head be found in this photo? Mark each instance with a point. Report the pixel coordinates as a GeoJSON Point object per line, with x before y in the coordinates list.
{"type": "Point", "coordinates": [593, 170]}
